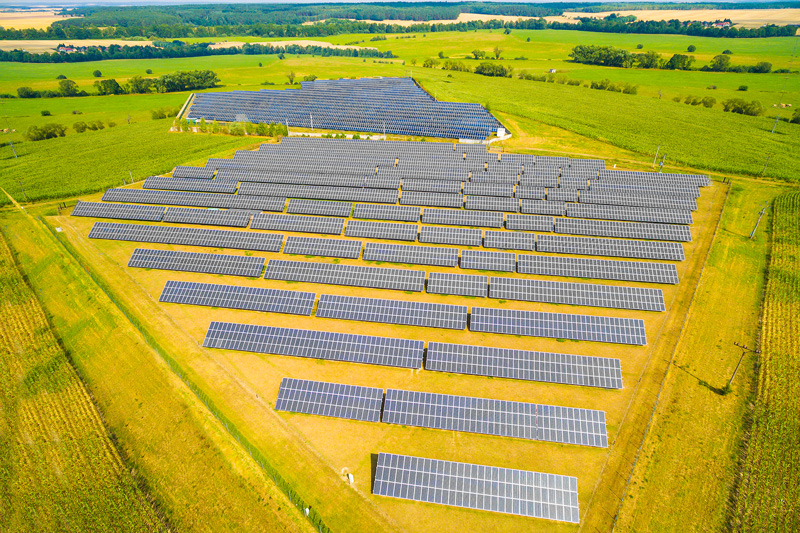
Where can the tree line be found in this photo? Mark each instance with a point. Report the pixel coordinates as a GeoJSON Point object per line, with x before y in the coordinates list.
{"type": "Point", "coordinates": [610, 56]}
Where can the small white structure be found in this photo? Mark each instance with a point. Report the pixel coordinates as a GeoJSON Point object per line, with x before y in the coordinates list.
{"type": "Point", "coordinates": [552, 71]}
{"type": "Point", "coordinates": [501, 132]}
{"type": "Point", "coordinates": [350, 478]}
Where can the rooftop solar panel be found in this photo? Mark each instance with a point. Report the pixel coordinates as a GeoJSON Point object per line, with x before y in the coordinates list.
{"type": "Point", "coordinates": [214, 238]}
{"type": "Point", "coordinates": [232, 265]}
{"type": "Point", "coordinates": [665, 251]}
{"type": "Point", "coordinates": [364, 349]}
{"type": "Point", "coordinates": [148, 213]}
{"type": "Point", "coordinates": [401, 213]}
{"type": "Point", "coordinates": [381, 230]}
{"type": "Point", "coordinates": [392, 311]}
{"type": "Point", "coordinates": [298, 223]}
{"type": "Point", "coordinates": [330, 399]}
{"type": "Point", "coordinates": [322, 247]}
{"type": "Point", "coordinates": [581, 267]}
{"type": "Point", "coordinates": [480, 260]}
{"type": "Point", "coordinates": [410, 254]}
{"type": "Point", "coordinates": [458, 284]}
{"type": "Point", "coordinates": [348, 275]}
{"type": "Point", "coordinates": [234, 297]}
{"type": "Point", "coordinates": [319, 207]}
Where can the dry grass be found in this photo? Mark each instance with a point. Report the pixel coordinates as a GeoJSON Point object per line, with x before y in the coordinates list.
{"type": "Point", "coordinates": [39, 46]}
{"type": "Point", "coordinates": [29, 18]}
{"type": "Point", "coordinates": [746, 18]}
{"type": "Point", "coordinates": [298, 42]}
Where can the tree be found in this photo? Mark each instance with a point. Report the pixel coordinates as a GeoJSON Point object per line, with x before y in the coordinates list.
{"type": "Point", "coordinates": [709, 101]}
{"type": "Point", "coordinates": [493, 69]}
{"type": "Point", "coordinates": [148, 71]}
{"type": "Point", "coordinates": [479, 54]}
{"type": "Point", "coordinates": [48, 131]}
{"type": "Point", "coordinates": [413, 61]}
{"type": "Point", "coordinates": [80, 127]}
{"type": "Point", "coordinates": [67, 88]}
{"type": "Point", "coordinates": [310, 77]}
{"type": "Point", "coordinates": [639, 46]}
{"type": "Point", "coordinates": [430, 63]}
{"type": "Point", "coordinates": [108, 87]}
{"type": "Point", "coordinates": [796, 116]}
{"type": "Point", "coordinates": [762, 67]}
{"type": "Point", "coordinates": [692, 48]}
{"type": "Point", "coordinates": [441, 54]}
{"type": "Point", "coordinates": [497, 51]}
{"type": "Point", "coordinates": [737, 105]}
{"type": "Point", "coordinates": [291, 75]}
{"type": "Point", "coordinates": [139, 85]}
{"type": "Point", "coordinates": [97, 74]}
{"type": "Point", "coordinates": [720, 63]}
{"type": "Point", "coordinates": [61, 77]}
{"type": "Point", "coordinates": [650, 59]}
{"type": "Point", "coordinates": [27, 92]}
{"type": "Point", "coordinates": [679, 62]}
{"type": "Point", "coordinates": [727, 52]}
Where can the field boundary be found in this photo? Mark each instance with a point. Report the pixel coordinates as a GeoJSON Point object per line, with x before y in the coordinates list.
{"type": "Point", "coordinates": [255, 453]}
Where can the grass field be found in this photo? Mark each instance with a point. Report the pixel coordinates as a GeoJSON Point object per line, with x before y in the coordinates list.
{"type": "Point", "coordinates": [769, 491]}
{"type": "Point", "coordinates": [59, 467]}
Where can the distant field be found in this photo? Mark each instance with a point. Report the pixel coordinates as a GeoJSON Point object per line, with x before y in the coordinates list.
{"type": "Point", "coordinates": [746, 18]}
{"type": "Point", "coordinates": [39, 46]}
{"type": "Point", "coordinates": [29, 18]}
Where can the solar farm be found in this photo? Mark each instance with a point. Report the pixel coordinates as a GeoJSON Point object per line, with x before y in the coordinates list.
{"type": "Point", "coordinates": [461, 331]}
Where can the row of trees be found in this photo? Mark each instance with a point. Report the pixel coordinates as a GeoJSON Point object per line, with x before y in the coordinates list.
{"type": "Point", "coordinates": [190, 80]}
{"type": "Point", "coordinates": [610, 56]}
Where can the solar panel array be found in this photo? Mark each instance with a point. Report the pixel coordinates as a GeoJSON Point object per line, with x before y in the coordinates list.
{"type": "Point", "coordinates": [431, 199]}
{"type": "Point", "coordinates": [194, 199]}
{"type": "Point", "coordinates": [447, 235]}
{"type": "Point", "coordinates": [580, 267]}
{"type": "Point", "coordinates": [628, 230]}
{"type": "Point", "coordinates": [524, 365]}
{"type": "Point", "coordinates": [235, 297]}
{"type": "Point", "coordinates": [401, 213]}
{"type": "Point", "coordinates": [210, 217]}
{"type": "Point", "coordinates": [381, 230]}
{"type": "Point", "coordinates": [348, 275]}
{"type": "Point", "coordinates": [491, 203]}
{"type": "Point", "coordinates": [213, 238]}
{"type": "Point", "coordinates": [650, 200]}
{"type": "Point", "coordinates": [529, 223]}
{"type": "Point", "coordinates": [193, 172]}
{"type": "Point", "coordinates": [351, 194]}
{"type": "Point", "coordinates": [479, 260]}
{"type": "Point", "coordinates": [458, 284]}
{"type": "Point", "coordinates": [422, 185]}
{"type": "Point", "coordinates": [319, 207]}
{"type": "Point", "coordinates": [559, 326]}
{"type": "Point", "coordinates": [412, 255]}
{"type": "Point", "coordinates": [509, 240]}
{"type": "Point", "coordinates": [543, 207]}
{"type": "Point", "coordinates": [190, 184]}
{"type": "Point", "coordinates": [489, 189]}
{"type": "Point", "coordinates": [669, 251]}
{"type": "Point", "coordinates": [384, 351]}
{"type": "Point", "coordinates": [496, 417]}
{"type": "Point", "coordinates": [530, 192]}
{"type": "Point", "coordinates": [298, 223]}
{"type": "Point", "coordinates": [631, 214]}
{"type": "Point", "coordinates": [232, 265]}
{"type": "Point", "coordinates": [453, 217]}
{"type": "Point", "coordinates": [329, 399]}
{"type": "Point", "coordinates": [147, 213]}
{"type": "Point", "coordinates": [323, 247]}
{"type": "Point", "coordinates": [392, 311]}
{"type": "Point", "coordinates": [487, 488]}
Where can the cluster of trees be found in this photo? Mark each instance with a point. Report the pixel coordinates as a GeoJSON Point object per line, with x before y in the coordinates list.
{"type": "Point", "coordinates": [48, 131]}
{"type": "Point", "coordinates": [235, 128]}
{"type": "Point", "coordinates": [94, 125]}
{"type": "Point", "coordinates": [189, 80]}
{"type": "Point", "coordinates": [549, 78]}
{"type": "Point", "coordinates": [488, 68]}
{"type": "Point", "coordinates": [707, 101]}
{"type": "Point", "coordinates": [608, 85]}
{"type": "Point", "coordinates": [738, 105]}
{"type": "Point", "coordinates": [671, 27]}
{"type": "Point", "coordinates": [65, 88]}
{"type": "Point", "coordinates": [610, 56]}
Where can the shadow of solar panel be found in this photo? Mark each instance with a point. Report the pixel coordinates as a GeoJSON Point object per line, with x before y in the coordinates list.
{"type": "Point", "coordinates": [442, 186]}
{"type": "Point", "coordinates": [193, 172]}
{"type": "Point", "coordinates": [323, 247]}
{"type": "Point", "coordinates": [214, 238]}
{"type": "Point", "coordinates": [543, 207]}
{"type": "Point", "coordinates": [392, 311]}
{"type": "Point", "coordinates": [319, 207]}
{"type": "Point", "coordinates": [529, 223]}
{"type": "Point", "coordinates": [298, 223]}
{"type": "Point", "coordinates": [384, 351]}
{"type": "Point", "coordinates": [381, 230]}
{"type": "Point", "coordinates": [232, 265]}
{"type": "Point", "coordinates": [458, 284]}
{"type": "Point", "coordinates": [651, 200]}
{"type": "Point", "coordinates": [148, 213]}
{"type": "Point", "coordinates": [588, 294]}
{"type": "Point", "coordinates": [411, 254]}
{"type": "Point", "coordinates": [509, 240]}
{"type": "Point", "coordinates": [209, 217]}
{"type": "Point", "coordinates": [501, 418]}
{"type": "Point", "coordinates": [330, 399]}
{"type": "Point", "coordinates": [489, 189]}
{"type": "Point", "coordinates": [580, 267]}
{"type": "Point", "coordinates": [193, 199]}
{"type": "Point", "coordinates": [455, 236]}
{"type": "Point", "coordinates": [454, 217]}
{"type": "Point", "coordinates": [433, 199]}
{"type": "Point", "coordinates": [525, 365]}
{"type": "Point", "coordinates": [669, 251]}
{"type": "Point", "coordinates": [486, 488]}
{"type": "Point", "coordinates": [632, 214]}
{"type": "Point", "coordinates": [402, 213]}
{"type": "Point", "coordinates": [629, 230]}
{"type": "Point", "coordinates": [497, 261]}
{"type": "Point", "coordinates": [491, 203]}
{"type": "Point", "coordinates": [349, 275]}
{"type": "Point", "coordinates": [190, 184]}
{"type": "Point", "coordinates": [558, 326]}
{"type": "Point", "coordinates": [234, 297]}
{"type": "Point", "coordinates": [562, 195]}
{"type": "Point", "coordinates": [314, 192]}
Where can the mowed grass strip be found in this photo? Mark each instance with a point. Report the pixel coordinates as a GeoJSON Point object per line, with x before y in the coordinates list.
{"type": "Point", "coordinates": [769, 490]}
{"type": "Point", "coordinates": [59, 468]}
{"type": "Point", "coordinates": [200, 476]}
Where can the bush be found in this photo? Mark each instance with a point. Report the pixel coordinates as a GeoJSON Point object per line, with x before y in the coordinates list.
{"type": "Point", "coordinates": [61, 77]}
{"type": "Point", "coordinates": [795, 117]}
{"type": "Point", "coordinates": [574, 82]}
{"type": "Point", "coordinates": [148, 71]}
{"type": "Point", "coordinates": [97, 74]}
{"type": "Point", "coordinates": [677, 99]}
{"type": "Point", "coordinates": [164, 112]}
{"type": "Point", "coordinates": [493, 69]}
{"type": "Point", "coordinates": [95, 125]}
{"type": "Point", "coordinates": [76, 112]}
{"type": "Point", "coordinates": [737, 105]}
{"type": "Point", "coordinates": [727, 52]}
{"type": "Point", "coordinates": [80, 127]}
{"type": "Point", "coordinates": [742, 88]}
{"type": "Point", "coordinates": [712, 87]}
{"type": "Point", "coordinates": [430, 63]}
{"type": "Point", "coordinates": [691, 48]}
{"type": "Point", "coordinates": [310, 77]}
{"type": "Point", "coordinates": [111, 124]}
{"type": "Point", "coordinates": [441, 54]}
{"type": "Point", "coordinates": [48, 131]}
{"type": "Point", "coordinates": [709, 101]}
{"type": "Point", "coordinates": [762, 67]}
{"type": "Point", "coordinates": [639, 46]}
{"type": "Point", "coordinates": [356, 136]}
{"type": "Point", "coordinates": [45, 113]}
{"type": "Point", "coordinates": [27, 92]}
{"type": "Point", "coordinates": [630, 89]}
{"type": "Point", "coordinates": [458, 66]}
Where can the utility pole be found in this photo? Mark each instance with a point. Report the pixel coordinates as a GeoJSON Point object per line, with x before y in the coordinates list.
{"type": "Point", "coordinates": [23, 190]}
{"type": "Point", "coordinates": [656, 157]}
{"type": "Point", "coordinates": [745, 349]}
{"type": "Point", "coordinates": [131, 175]}
{"type": "Point", "coordinates": [775, 123]}
{"type": "Point", "coordinates": [765, 165]}
{"type": "Point", "coordinates": [761, 214]}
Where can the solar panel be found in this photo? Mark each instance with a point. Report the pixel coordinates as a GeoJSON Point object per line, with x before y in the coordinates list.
{"type": "Point", "coordinates": [491, 203]}
{"type": "Point", "coordinates": [549, 179]}
{"type": "Point", "coordinates": [194, 199]}
{"type": "Point", "coordinates": [479, 260]}
{"type": "Point", "coordinates": [193, 172]}
{"type": "Point", "coordinates": [148, 213]}
{"type": "Point", "coordinates": [385, 351]}
{"type": "Point", "coordinates": [320, 207]}
{"type": "Point", "coordinates": [189, 184]}
{"type": "Point", "coordinates": [330, 399]}
{"type": "Point", "coordinates": [665, 251]}
{"type": "Point", "coordinates": [509, 240]}
{"type": "Point", "coordinates": [299, 223]}
{"type": "Point", "coordinates": [445, 186]}
{"type": "Point", "coordinates": [487, 488]}
{"type": "Point", "coordinates": [349, 275]}
{"type": "Point", "coordinates": [529, 223]}
{"type": "Point", "coordinates": [411, 254]}
{"type": "Point", "coordinates": [489, 189]}
{"type": "Point", "coordinates": [564, 425]}
{"type": "Point", "coordinates": [458, 284]}
{"type": "Point", "coordinates": [232, 265]}
{"type": "Point", "coordinates": [524, 365]}
{"type": "Point", "coordinates": [209, 217]}
{"type": "Point", "coordinates": [558, 325]}
{"type": "Point", "coordinates": [447, 235]}
{"type": "Point", "coordinates": [323, 247]}
{"type": "Point", "coordinates": [402, 213]}
{"type": "Point", "coordinates": [234, 297]}
{"type": "Point", "coordinates": [314, 192]}
{"type": "Point", "coordinates": [580, 267]}
{"type": "Point", "coordinates": [214, 238]}
{"type": "Point", "coordinates": [543, 207]}
{"type": "Point", "coordinates": [381, 230]}
{"type": "Point", "coordinates": [650, 200]}
{"type": "Point", "coordinates": [432, 199]}
{"type": "Point", "coordinates": [691, 191]}
{"type": "Point", "coordinates": [629, 230]}
{"type": "Point", "coordinates": [632, 214]}
{"type": "Point", "coordinates": [588, 294]}
{"type": "Point", "coordinates": [455, 217]}
{"type": "Point", "coordinates": [392, 311]}
{"type": "Point", "coordinates": [562, 195]}
{"type": "Point", "coordinates": [530, 193]}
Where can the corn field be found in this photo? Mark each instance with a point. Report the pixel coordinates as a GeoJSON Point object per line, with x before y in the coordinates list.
{"type": "Point", "coordinates": [59, 468]}
{"type": "Point", "coordinates": [769, 489]}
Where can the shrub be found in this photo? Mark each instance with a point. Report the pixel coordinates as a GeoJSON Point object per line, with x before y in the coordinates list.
{"type": "Point", "coordinates": [639, 46]}
{"type": "Point", "coordinates": [27, 92]}
{"type": "Point", "coordinates": [48, 131]}
{"type": "Point", "coordinates": [709, 101]}
{"type": "Point", "coordinates": [148, 71]}
{"type": "Point", "coordinates": [61, 77]}
{"type": "Point", "coordinates": [711, 87]}
{"type": "Point", "coordinates": [96, 125]}
{"type": "Point", "coordinates": [68, 88]}
{"type": "Point", "coordinates": [688, 99]}
{"type": "Point", "coordinates": [574, 82]}
{"type": "Point", "coordinates": [458, 66]}
{"type": "Point", "coordinates": [441, 54]}
{"type": "Point", "coordinates": [97, 74]}
{"type": "Point", "coordinates": [111, 124]}
{"type": "Point", "coordinates": [737, 105]}
{"type": "Point", "coordinates": [742, 88]}
{"type": "Point", "coordinates": [310, 77]}
{"type": "Point", "coordinates": [260, 65]}
{"type": "Point", "coordinates": [677, 99]}
{"type": "Point", "coordinates": [762, 67]}
{"type": "Point", "coordinates": [727, 52]}
{"type": "Point", "coordinates": [76, 112]}
{"type": "Point", "coordinates": [356, 136]}
{"type": "Point", "coordinates": [45, 113]}
{"type": "Point", "coordinates": [430, 63]}
{"type": "Point", "coordinates": [691, 48]}
{"type": "Point", "coordinates": [80, 127]}
{"type": "Point", "coordinates": [796, 117]}
{"type": "Point", "coordinates": [493, 69]}
{"type": "Point", "coordinates": [528, 40]}
{"type": "Point", "coordinates": [630, 89]}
